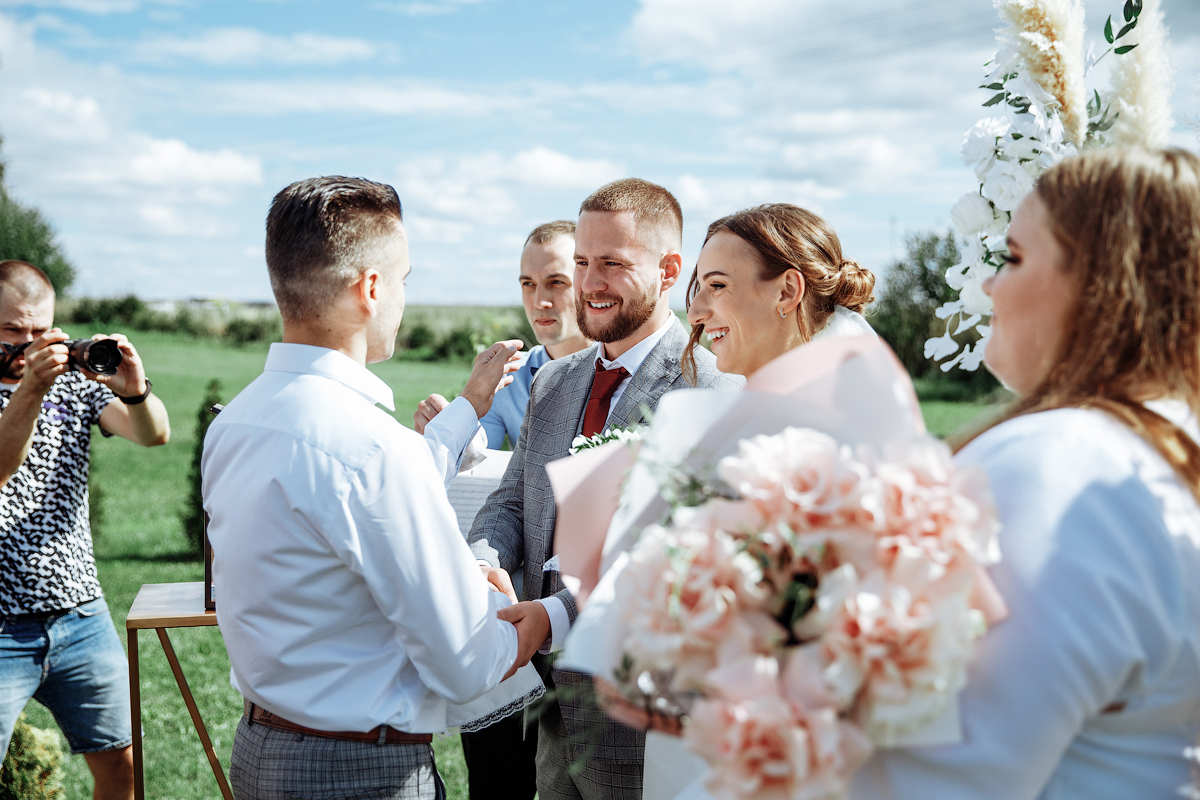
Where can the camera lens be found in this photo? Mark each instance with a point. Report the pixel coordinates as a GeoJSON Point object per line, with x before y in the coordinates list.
{"type": "Point", "coordinates": [101, 356]}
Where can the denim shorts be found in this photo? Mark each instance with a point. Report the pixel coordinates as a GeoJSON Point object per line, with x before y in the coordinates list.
{"type": "Point", "coordinates": [75, 666]}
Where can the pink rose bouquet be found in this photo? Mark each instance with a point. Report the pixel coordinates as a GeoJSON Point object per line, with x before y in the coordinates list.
{"type": "Point", "coordinates": [822, 601]}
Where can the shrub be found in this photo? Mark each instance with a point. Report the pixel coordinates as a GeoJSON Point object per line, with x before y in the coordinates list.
{"type": "Point", "coordinates": [26, 236]}
{"type": "Point", "coordinates": [32, 768]}
{"type": "Point", "coordinates": [420, 336]}
{"type": "Point", "coordinates": [458, 345]}
{"type": "Point", "coordinates": [243, 330]}
{"type": "Point", "coordinates": [192, 515]}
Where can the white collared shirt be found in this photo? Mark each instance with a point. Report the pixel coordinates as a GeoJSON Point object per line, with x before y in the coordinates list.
{"type": "Point", "coordinates": [346, 595]}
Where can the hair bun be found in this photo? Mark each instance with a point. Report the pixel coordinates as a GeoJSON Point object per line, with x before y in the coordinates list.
{"type": "Point", "coordinates": [855, 286]}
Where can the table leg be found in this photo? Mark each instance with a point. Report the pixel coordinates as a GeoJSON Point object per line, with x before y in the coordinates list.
{"type": "Point", "coordinates": [205, 742]}
{"type": "Point", "coordinates": [135, 705]}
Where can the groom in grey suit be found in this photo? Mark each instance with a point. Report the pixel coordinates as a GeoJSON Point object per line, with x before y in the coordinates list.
{"type": "Point", "coordinates": [627, 258]}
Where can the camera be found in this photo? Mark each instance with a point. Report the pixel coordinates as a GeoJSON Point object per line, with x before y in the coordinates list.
{"type": "Point", "coordinates": [100, 356]}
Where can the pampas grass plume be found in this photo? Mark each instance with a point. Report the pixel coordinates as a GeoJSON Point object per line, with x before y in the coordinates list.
{"type": "Point", "coordinates": [1049, 38]}
{"type": "Point", "coordinates": [1142, 83]}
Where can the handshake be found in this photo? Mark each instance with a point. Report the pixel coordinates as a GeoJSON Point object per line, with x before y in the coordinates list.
{"type": "Point", "coordinates": [530, 618]}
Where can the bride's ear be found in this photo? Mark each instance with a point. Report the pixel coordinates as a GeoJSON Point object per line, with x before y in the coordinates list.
{"type": "Point", "coordinates": [791, 290]}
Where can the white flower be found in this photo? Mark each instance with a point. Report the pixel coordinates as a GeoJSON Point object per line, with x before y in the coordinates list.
{"type": "Point", "coordinates": [941, 347]}
{"type": "Point", "coordinates": [1023, 149]}
{"type": "Point", "coordinates": [973, 356]}
{"type": "Point", "coordinates": [973, 299]}
{"type": "Point", "coordinates": [979, 145]}
{"type": "Point", "coordinates": [973, 215]}
{"type": "Point", "coordinates": [1006, 184]}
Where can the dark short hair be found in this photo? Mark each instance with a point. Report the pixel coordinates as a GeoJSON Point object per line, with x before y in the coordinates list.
{"type": "Point", "coordinates": [322, 233]}
{"type": "Point", "coordinates": [24, 280]}
{"type": "Point", "coordinates": [547, 232]}
{"type": "Point", "coordinates": [651, 204]}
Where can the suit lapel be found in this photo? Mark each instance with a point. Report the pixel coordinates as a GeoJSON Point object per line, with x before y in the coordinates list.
{"type": "Point", "coordinates": [656, 373]}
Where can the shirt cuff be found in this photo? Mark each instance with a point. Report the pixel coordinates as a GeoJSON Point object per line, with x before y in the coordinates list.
{"type": "Point", "coordinates": [449, 434]}
{"type": "Point", "coordinates": [560, 624]}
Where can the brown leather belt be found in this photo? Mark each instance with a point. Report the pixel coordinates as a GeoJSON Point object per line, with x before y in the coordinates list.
{"type": "Point", "coordinates": [380, 735]}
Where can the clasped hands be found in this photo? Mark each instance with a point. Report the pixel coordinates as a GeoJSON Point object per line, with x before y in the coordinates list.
{"type": "Point", "coordinates": [529, 617]}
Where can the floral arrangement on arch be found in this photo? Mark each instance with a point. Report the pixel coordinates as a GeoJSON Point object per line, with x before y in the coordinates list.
{"type": "Point", "coordinates": [1046, 113]}
{"type": "Point", "coordinates": [822, 600]}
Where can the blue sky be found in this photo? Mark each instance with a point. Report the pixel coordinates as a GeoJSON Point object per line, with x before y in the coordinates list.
{"type": "Point", "coordinates": [153, 133]}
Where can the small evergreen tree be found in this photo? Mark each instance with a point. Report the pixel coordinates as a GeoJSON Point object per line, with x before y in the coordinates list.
{"type": "Point", "coordinates": [193, 513]}
{"type": "Point", "coordinates": [32, 768]}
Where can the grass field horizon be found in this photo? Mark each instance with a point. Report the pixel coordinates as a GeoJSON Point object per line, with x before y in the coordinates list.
{"type": "Point", "coordinates": [141, 541]}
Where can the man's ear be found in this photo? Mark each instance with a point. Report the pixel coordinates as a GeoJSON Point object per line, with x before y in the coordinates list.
{"type": "Point", "coordinates": [791, 292]}
{"type": "Point", "coordinates": [367, 289]}
{"type": "Point", "coordinates": [671, 265]}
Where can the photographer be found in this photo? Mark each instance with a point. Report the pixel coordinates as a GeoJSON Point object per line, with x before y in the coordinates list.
{"type": "Point", "coordinates": [57, 640]}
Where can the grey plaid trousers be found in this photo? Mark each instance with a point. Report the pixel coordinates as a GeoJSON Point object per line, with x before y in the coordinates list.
{"type": "Point", "coordinates": [270, 764]}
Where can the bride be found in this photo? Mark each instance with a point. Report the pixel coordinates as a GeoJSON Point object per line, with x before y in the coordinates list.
{"type": "Point", "coordinates": [768, 279]}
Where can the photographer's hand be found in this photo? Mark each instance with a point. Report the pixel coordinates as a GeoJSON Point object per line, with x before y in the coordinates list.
{"type": "Point", "coordinates": [45, 360]}
{"type": "Point", "coordinates": [491, 373]}
{"type": "Point", "coordinates": [144, 423]}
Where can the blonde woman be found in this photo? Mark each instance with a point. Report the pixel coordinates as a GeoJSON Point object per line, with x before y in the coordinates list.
{"type": "Point", "coordinates": [1091, 688]}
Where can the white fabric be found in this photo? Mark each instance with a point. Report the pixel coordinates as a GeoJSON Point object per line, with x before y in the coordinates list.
{"type": "Point", "coordinates": [348, 598]}
{"type": "Point", "coordinates": [844, 322]}
{"type": "Point", "coordinates": [1090, 690]}
{"type": "Point", "coordinates": [456, 439]}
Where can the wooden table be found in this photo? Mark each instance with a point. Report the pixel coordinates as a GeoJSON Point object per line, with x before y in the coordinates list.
{"type": "Point", "coordinates": [161, 606]}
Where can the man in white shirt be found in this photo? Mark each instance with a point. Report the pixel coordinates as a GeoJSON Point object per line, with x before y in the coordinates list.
{"type": "Point", "coordinates": [351, 608]}
{"type": "Point", "coordinates": [627, 258]}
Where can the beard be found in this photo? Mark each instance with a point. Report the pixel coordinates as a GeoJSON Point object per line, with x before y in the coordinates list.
{"type": "Point", "coordinates": [630, 316]}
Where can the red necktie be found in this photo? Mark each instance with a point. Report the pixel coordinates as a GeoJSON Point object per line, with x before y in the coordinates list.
{"type": "Point", "coordinates": [604, 385]}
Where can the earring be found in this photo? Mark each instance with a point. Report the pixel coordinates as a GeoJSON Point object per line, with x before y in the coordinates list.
{"type": "Point", "coordinates": [782, 314]}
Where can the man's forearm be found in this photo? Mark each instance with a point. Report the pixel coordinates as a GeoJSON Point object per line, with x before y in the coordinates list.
{"type": "Point", "coordinates": [17, 424]}
{"type": "Point", "coordinates": [149, 423]}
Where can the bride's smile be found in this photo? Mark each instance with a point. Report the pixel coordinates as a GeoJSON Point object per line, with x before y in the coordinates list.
{"type": "Point", "coordinates": [747, 319]}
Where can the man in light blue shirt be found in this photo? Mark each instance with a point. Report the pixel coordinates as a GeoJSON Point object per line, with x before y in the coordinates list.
{"type": "Point", "coordinates": [547, 268]}
{"type": "Point", "coordinates": [548, 294]}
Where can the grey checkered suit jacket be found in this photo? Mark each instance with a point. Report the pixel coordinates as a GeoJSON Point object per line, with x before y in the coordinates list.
{"type": "Point", "coordinates": [515, 528]}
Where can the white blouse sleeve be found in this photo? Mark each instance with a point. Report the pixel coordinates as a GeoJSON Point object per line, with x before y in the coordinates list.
{"type": "Point", "coordinates": [1093, 593]}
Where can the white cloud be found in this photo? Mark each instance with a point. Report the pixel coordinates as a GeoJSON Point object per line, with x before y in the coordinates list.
{"type": "Point", "coordinates": [425, 8]}
{"type": "Point", "coordinates": [246, 46]}
{"type": "Point", "coordinates": [99, 7]}
{"type": "Point", "coordinates": [166, 162]}
{"type": "Point", "coordinates": [484, 189]}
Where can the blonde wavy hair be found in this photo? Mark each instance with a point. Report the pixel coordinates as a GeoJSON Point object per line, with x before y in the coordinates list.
{"type": "Point", "coordinates": [1129, 223]}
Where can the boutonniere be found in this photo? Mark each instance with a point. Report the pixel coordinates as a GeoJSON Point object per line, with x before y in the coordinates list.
{"type": "Point", "coordinates": [581, 443]}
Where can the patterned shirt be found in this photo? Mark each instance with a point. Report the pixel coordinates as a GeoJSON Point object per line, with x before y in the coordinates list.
{"type": "Point", "coordinates": [46, 560]}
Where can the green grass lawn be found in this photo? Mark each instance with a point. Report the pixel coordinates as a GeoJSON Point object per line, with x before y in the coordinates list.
{"type": "Point", "coordinates": [142, 542]}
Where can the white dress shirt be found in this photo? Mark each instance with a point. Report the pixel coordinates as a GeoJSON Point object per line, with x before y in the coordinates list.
{"type": "Point", "coordinates": [445, 433]}
{"type": "Point", "coordinates": [1090, 689]}
{"type": "Point", "coordinates": [346, 595]}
